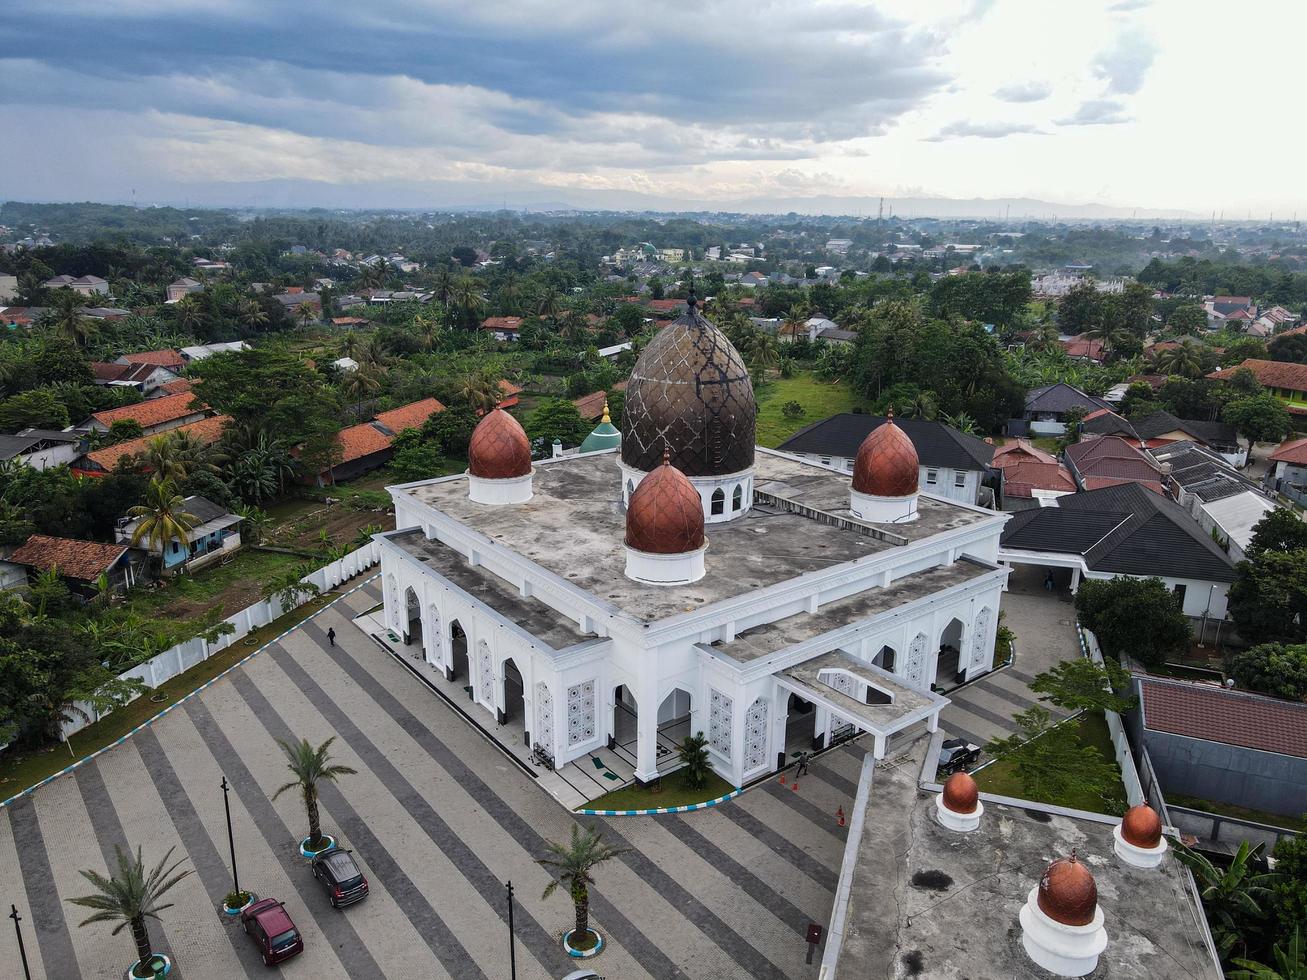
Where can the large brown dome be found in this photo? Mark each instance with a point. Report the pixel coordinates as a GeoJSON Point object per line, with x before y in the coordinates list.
{"type": "Point", "coordinates": [499, 449]}
{"type": "Point", "coordinates": [887, 464]}
{"type": "Point", "coordinates": [665, 513]}
{"type": "Point", "coordinates": [1067, 893]}
{"type": "Point", "coordinates": [1141, 826]}
{"type": "Point", "coordinates": [690, 392]}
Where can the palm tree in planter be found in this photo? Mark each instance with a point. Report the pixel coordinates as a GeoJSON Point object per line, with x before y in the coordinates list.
{"type": "Point", "coordinates": [310, 765]}
{"type": "Point", "coordinates": [693, 753]}
{"type": "Point", "coordinates": [130, 897]}
{"type": "Point", "coordinates": [571, 864]}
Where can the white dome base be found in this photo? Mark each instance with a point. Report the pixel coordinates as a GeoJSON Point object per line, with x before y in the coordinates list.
{"type": "Point", "coordinates": [513, 490]}
{"type": "Point", "coordinates": [706, 486]}
{"type": "Point", "coordinates": [961, 823]}
{"type": "Point", "coordinates": [883, 510]}
{"type": "Point", "coordinates": [654, 569]}
{"type": "Point", "coordinates": [1135, 856]}
{"type": "Point", "coordinates": [1067, 951]}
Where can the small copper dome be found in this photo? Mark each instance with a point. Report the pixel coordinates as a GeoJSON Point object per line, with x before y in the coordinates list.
{"type": "Point", "coordinates": [665, 513]}
{"type": "Point", "coordinates": [499, 449]}
{"type": "Point", "coordinates": [887, 464]}
{"type": "Point", "coordinates": [1067, 893]}
{"type": "Point", "coordinates": [961, 793]}
{"type": "Point", "coordinates": [1142, 827]}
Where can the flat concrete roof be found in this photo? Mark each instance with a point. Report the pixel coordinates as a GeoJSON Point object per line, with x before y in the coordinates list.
{"type": "Point", "coordinates": [531, 614]}
{"type": "Point", "coordinates": [574, 524]}
{"type": "Point", "coordinates": [926, 901]}
{"type": "Point", "coordinates": [883, 719]}
{"type": "Point", "coordinates": [769, 638]}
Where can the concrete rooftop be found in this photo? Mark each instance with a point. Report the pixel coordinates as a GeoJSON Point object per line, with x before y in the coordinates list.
{"type": "Point", "coordinates": [929, 902]}
{"type": "Point", "coordinates": [574, 524]}
{"type": "Point", "coordinates": [884, 718]}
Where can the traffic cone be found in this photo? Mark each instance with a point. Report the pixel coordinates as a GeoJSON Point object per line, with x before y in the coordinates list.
{"type": "Point", "coordinates": [782, 779]}
{"type": "Point", "coordinates": [795, 786]}
{"type": "Point", "coordinates": [839, 815]}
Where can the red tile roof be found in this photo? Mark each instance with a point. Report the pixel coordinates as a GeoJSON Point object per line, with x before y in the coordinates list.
{"type": "Point", "coordinates": [1214, 714]}
{"type": "Point", "coordinates": [84, 560]}
{"type": "Point", "coordinates": [410, 416]}
{"type": "Point", "coordinates": [106, 459]}
{"type": "Point", "coordinates": [1020, 478]}
{"type": "Point", "coordinates": [666, 305]}
{"type": "Point", "coordinates": [503, 323]}
{"type": "Point", "coordinates": [1273, 374]}
{"type": "Point", "coordinates": [1100, 482]}
{"type": "Point", "coordinates": [1015, 453]}
{"type": "Point", "coordinates": [361, 440]}
{"type": "Point", "coordinates": [591, 406]}
{"type": "Point", "coordinates": [1241, 300]}
{"type": "Point", "coordinates": [1078, 347]}
{"type": "Point", "coordinates": [165, 358]}
{"type": "Point", "coordinates": [1291, 451]}
{"type": "Point", "coordinates": [177, 387]}
{"type": "Point", "coordinates": [157, 411]}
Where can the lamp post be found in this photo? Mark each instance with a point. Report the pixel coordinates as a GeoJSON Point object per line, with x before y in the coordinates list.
{"type": "Point", "coordinates": [512, 949]}
{"type": "Point", "coordinates": [231, 839]}
{"type": "Point", "coordinates": [18, 931]}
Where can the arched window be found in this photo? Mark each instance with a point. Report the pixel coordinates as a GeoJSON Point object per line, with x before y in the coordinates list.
{"type": "Point", "coordinates": [630, 487]}
{"type": "Point", "coordinates": [737, 497]}
{"type": "Point", "coordinates": [718, 501]}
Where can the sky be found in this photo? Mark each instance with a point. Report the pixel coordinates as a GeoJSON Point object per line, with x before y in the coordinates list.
{"type": "Point", "coordinates": [731, 104]}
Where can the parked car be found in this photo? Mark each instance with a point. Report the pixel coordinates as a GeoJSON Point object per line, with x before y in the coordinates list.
{"type": "Point", "coordinates": [340, 876]}
{"type": "Point", "coordinates": [269, 924]}
{"type": "Point", "coordinates": [956, 755]}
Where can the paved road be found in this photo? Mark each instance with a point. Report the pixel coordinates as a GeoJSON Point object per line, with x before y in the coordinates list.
{"type": "Point", "coordinates": [438, 818]}
{"type": "Point", "coordinates": [1044, 624]}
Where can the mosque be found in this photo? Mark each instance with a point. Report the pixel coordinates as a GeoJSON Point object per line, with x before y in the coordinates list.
{"type": "Point", "coordinates": [676, 578]}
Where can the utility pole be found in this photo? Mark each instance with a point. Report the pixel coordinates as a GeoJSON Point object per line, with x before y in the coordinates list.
{"type": "Point", "coordinates": [18, 931]}
{"type": "Point", "coordinates": [512, 948]}
{"type": "Point", "coordinates": [231, 839]}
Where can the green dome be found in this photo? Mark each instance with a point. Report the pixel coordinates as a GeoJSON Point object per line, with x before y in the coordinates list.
{"type": "Point", "coordinates": [605, 436]}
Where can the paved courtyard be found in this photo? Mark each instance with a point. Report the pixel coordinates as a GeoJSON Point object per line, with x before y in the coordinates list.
{"type": "Point", "coordinates": [439, 819]}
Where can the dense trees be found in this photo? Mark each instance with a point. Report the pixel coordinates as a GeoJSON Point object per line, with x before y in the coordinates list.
{"type": "Point", "coordinates": [1272, 668]}
{"type": "Point", "coordinates": [1138, 617]}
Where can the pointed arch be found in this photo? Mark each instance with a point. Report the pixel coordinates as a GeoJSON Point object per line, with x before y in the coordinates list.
{"type": "Point", "coordinates": [717, 502]}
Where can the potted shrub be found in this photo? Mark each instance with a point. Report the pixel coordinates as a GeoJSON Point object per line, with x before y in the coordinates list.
{"type": "Point", "coordinates": [237, 902]}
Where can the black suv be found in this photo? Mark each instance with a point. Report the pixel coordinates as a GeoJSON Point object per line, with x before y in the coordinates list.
{"type": "Point", "coordinates": [956, 755]}
{"type": "Point", "coordinates": [340, 876]}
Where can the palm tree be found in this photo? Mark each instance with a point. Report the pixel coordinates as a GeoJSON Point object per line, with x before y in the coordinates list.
{"type": "Point", "coordinates": [963, 422]}
{"type": "Point", "coordinates": [68, 320]}
{"type": "Point", "coordinates": [309, 765]}
{"type": "Point", "coordinates": [509, 294]}
{"type": "Point", "coordinates": [288, 587]}
{"type": "Point", "coordinates": [350, 344]}
{"type": "Point", "coordinates": [255, 522]}
{"type": "Point", "coordinates": [572, 864]}
{"type": "Point", "coordinates": [130, 897]}
{"type": "Point", "coordinates": [163, 517]}
{"type": "Point", "coordinates": [693, 754]}
{"type": "Point", "coordinates": [306, 314]}
{"type": "Point", "coordinates": [765, 352]}
{"type": "Point", "coordinates": [251, 314]}
{"type": "Point", "coordinates": [479, 391]}
{"type": "Point", "coordinates": [1234, 897]}
{"type": "Point", "coordinates": [374, 275]}
{"type": "Point", "coordinates": [550, 306]}
{"type": "Point", "coordinates": [469, 299]}
{"type": "Point", "coordinates": [573, 325]}
{"type": "Point", "coordinates": [427, 326]}
{"type": "Point", "coordinates": [361, 383]}
{"type": "Point", "coordinates": [1185, 360]}
{"type": "Point", "coordinates": [442, 284]}
{"type": "Point", "coordinates": [186, 311]}
{"type": "Point", "coordinates": [160, 458]}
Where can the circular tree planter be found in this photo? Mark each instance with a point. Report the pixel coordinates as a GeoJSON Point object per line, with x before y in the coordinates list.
{"type": "Point", "coordinates": [583, 954]}
{"type": "Point", "coordinates": [311, 854]}
{"type": "Point", "coordinates": [250, 899]}
{"type": "Point", "coordinates": [155, 960]}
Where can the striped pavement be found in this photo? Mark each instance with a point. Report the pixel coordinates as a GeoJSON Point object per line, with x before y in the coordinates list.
{"type": "Point", "coordinates": [437, 817]}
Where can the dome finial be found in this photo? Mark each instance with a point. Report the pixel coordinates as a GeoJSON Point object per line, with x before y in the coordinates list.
{"type": "Point", "coordinates": [667, 455]}
{"type": "Point", "coordinates": [889, 414]}
{"type": "Point", "coordinates": [606, 416]}
{"type": "Point", "coordinates": [690, 299]}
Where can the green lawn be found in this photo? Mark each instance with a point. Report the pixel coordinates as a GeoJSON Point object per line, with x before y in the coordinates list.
{"type": "Point", "coordinates": [235, 585]}
{"type": "Point", "coordinates": [1001, 778]}
{"type": "Point", "coordinates": [820, 399]}
{"type": "Point", "coordinates": [1238, 812]}
{"type": "Point", "coordinates": [672, 792]}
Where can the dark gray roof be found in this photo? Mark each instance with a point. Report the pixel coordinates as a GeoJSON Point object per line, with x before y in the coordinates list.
{"type": "Point", "coordinates": [1110, 424]}
{"type": "Point", "coordinates": [1200, 471]}
{"type": "Point", "coordinates": [1213, 433]}
{"type": "Point", "coordinates": [204, 510]}
{"type": "Point", "coordinates": [11, 446]}
{"type": "Point", "coordinates": [1061, 397]}
{"type": "Point", "coordinates": [1143, 533]}
{"type": "Point", "coordinates": [835, 333]}
{"type": "Point", "coordinates": [28, 440]}
{"type": "Point", "coordinates": [936, 443]}
{"type": "Point", "coordinates": [52, 435]}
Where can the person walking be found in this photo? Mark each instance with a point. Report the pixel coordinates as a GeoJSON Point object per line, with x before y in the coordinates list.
{"type": "Point", "coordinates": [1048, 581]}
{"type": "Point", "coordinates": [331, 636]}
{"type": "Point", "coordinates": [803, 764]}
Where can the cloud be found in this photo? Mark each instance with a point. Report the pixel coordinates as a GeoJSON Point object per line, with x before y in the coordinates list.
{"type": "Point", "coordinates": [1129, 6]}
{"type": "Point", "coordinates": [1125, 64]}
{"type": "Point", "coordinates": [983, 130]}
{"type": "Point", "coordinates": [1097, 112]}
{"type": "Point", "coordinates": [1024, 92]}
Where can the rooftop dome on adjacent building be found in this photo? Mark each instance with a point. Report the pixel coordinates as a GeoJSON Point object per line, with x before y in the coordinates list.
{"type": "Point", "coordinates": [604, 436]}
{"type": "Point", "coordinates": [961, 793]}
{"type": "Point", "coordinates": [887, 464]}
{"type": "Point", "coordinates": [665, 514]}
{"type": "Point", "coordinates": [499, 448]}
{"type": "Point", "coordinates": [690, 391]}
{"type": "Point", "coordinates": [1067, 893]}
{"type": "Point", "coordinates": [1141, 826]}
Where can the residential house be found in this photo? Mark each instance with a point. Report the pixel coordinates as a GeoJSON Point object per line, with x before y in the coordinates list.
{"type": "Point", "coordinates": [1109, 461]}
{"type": "Point", "coordinates": [1288, 472]}
{"type": "Point", "coordinates": [145, 378]}
{"type": "Point", "coordinates": [182, 287]}
{"type": "Point", "coordinates": [1031, 477]}
{"type": "Point", "coordinates": [345, 364]}
{"type": "Point", "coordinates": [349, 322]}
{"type": "Point", "coordinates": [1083, 348]}
{"type": "Point", "coordinates": [155, 416]}
{"type": "Point", "coordinates": [105, 312]}
{"type": "Point", "coordinates": [98, 462]}
{"type": "Point", "coordinates": [295, 297]}
{"type": "Point", "coordinates": [591, 406]}
{"type": "Point", "coordinates": [952, 464]}
{"type": "Point", "coordinates": [40, 449]}
{"type": "Point", "coordinates": [79, 563]}
{"type": "Point", "coordinates": [166, 358]}
{"type": "Point", "coordinates": [1123, 530]}
{"type": "Point", "coordinates": [503, 327]}
{"type": "Point", "coordinates": [1161, 428]}
{"type": "Point", "coordinates": [1224, 309]}
{"type": "Point", "coordinates": [86, 285]}
{"type": "Point", "coordinates": [213, 535]}
{"type": "Point", "coordinates": [667, 307]}
{"type": "Point", "coordinates": [509, 393]}
{"type": "Point", "coordinates": [1048, 407]}
{"type": "Point", "coordinates": [1286, 381]}
{"type": "Point", "coordinates": [201, 351]}
{"type": "Point", "coordinates": [369, 445]}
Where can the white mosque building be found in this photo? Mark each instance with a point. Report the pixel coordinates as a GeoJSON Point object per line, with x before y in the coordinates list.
{"type": "Point", "coordinates": [688, 581]}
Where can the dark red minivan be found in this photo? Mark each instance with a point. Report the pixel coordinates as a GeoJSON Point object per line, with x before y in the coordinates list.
{"type": "Point", "coordinates": [269, 924]}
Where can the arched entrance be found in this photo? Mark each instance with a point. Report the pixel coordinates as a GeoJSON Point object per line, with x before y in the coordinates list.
{"type": "Point", "coordinates": [626, 732]}
{"type": "Point", "coordinates": [514, 712]}
{"type": "Point", "coordinates": [948, 670]}
{"type": "Point", "coordinates": [458, 665]}
{"type": "Point", "coordinates": [673, 722]}
{"type": "Point", "coordinates": [413, 622]}
{"type": "Point", "coordinates": [800, 728]}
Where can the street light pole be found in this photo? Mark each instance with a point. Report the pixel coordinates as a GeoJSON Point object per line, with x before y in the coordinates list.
{"type": "Point", "coordinates": [18, 931]}
{"type": "Point", "coordinates": [231, 839]}
{"type": "Point", "coordinates": [512, 948]}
